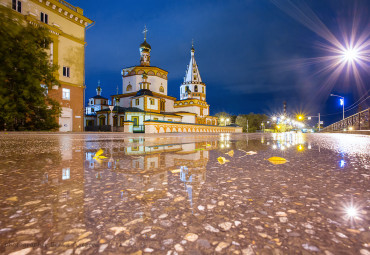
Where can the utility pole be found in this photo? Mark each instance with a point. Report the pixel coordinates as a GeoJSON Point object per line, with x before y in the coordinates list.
{"type": "Point", "coordinates": [319, 122]}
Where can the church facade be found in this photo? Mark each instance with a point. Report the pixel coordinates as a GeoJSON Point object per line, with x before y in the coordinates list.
{"type": "Point", "coordinates": [145, 106]}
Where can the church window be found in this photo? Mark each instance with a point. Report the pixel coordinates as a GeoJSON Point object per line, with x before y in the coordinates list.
{"type": "Point", "coordinates": [152, 101]}
{"type": "Point", "coordinates": [195, 88]}
{"type": "Point", "coordinates": [162, 106]}
{"type": "Point", "coordinates": [155, 118]}
{"type": "Point", "coordinates": [17, 6]}
{"type": "Point", "coordinates": [92, 109]}
{"type": "Point", "coordinates": [161, 89]}
{"type": "Point", "coordinates": [203, 90]}
{"type": "Point", "coordinates": [44, 18]}
{"type": "Point", "coordinates": [66, 94]}
{"type": "Point", "coordinates": [195, 77]}
{"type": "Point", "coordinates": [129, 87]}
{"type": "Point", "coordinates": [137, 101]}
{"type": "Point", "coordinates": [194, 71]}
{"type": "Point", "coordinates": [187, 89]}
{"type": "Point", "coordinates": [169, 120]}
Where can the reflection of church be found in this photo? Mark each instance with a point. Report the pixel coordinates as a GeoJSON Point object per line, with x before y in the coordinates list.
{"type": "Point", "coordinates": [141, 173]}
{"type": "Point", "coordinates": [145, 106]}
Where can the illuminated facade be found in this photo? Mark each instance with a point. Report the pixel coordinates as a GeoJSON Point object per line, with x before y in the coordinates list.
{"type": "Point", "coordinates": [67, 26]}
{"type": "Point", "coordinates": [145, 104]}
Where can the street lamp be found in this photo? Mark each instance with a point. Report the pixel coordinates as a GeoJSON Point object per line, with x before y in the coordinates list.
{"type": "Point", "coordinates": [341, 101]}
{"type": "Point", "coordinates": [318, 116]}
{"type": "Point", "coordinates": [111, 115]}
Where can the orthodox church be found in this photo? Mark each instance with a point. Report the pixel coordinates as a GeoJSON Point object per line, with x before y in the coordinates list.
{"type": "Point", "coordinates": [145, 106]}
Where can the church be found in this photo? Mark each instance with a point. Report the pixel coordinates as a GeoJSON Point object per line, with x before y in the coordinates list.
{"type": "Point", "coordinates": [145, 106]}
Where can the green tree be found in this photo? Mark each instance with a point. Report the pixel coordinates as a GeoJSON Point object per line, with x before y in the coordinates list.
{"type": "Point", "coordinates": [252, 121]}
{"type": "Point", "coordinates": [24, 66]}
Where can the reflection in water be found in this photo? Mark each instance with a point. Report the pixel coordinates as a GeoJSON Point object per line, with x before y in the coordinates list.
{"type": "Point", "coordinates": [143, 194]}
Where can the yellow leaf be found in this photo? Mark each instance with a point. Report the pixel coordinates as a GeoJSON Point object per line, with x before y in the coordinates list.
{"type": "Point", "coordinates": [277, 160]}
{"type": "Point", "coordinates": [222, 160]}
{"type": "Point", "coordinates": [12, 199]}
{"type": "Point", "coordinates": [99, 153]}
{"type": "Point", "coordinates": [175, 171]}
{"type": "Point", "coordinates": [230, 153]}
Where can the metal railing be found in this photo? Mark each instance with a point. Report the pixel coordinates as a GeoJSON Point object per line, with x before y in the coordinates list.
{"type": "Point", "coordinates": [138, 129]}
{"type": "Point", "coordinates": [358, 121]}
{"type": "Point", "coordinates": [68, 5]}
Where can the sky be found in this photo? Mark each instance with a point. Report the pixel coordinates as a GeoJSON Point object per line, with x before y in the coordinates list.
{"type": "Point", "coordinates": [252, 55]}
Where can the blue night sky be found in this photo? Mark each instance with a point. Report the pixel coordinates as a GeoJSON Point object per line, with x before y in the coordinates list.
{"type": "Point", "coordinates": [251, 54]}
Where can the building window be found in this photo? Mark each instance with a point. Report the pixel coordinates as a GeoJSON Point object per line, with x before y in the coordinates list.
{"type": "Point", "coordinates": [129, 87]}
{"type": "Point", "coordinates": [155, 118]}
{"type": "Point", "coordinates": [136, 121]}
{"type": "Point", "coordinates": [65, 71]}
{"type": "Point", "coordinates": [44, 18]}
{"type": "Point", "coordinates": [66, 173]}
{"type": "Point", "coordinates": [137, 101]}
{"type": "Point", "coordinates": [195, 77]}
{"type": "Point", "coordinates": [17, 6]}
{"type": "Point", "coordinates": [169, 120]}
{"type": "Point", "coordinates": [152, 101]}
{"type": "Point", "coordinates": [66, 94]}
{"type": "Point", "coordinates": [195, 88]}
{"type": "Point", "coordinates": [203, 90]}
{"type": "Point", "coordinates": [161, 89]}
{"type": "Point", "coordinates": [92, 109]}
{"type": "Point", "coordinates": [162, 106]}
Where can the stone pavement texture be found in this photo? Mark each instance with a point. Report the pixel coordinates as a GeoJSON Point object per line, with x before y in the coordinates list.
{"type": "Point", "coordinates": [184, 194]}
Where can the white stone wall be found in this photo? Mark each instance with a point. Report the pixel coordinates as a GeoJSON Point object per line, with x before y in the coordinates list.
{"type": "Point", "coordinates": [187, 118]}
{"type": "Point", "coordinates": [169, 105]}
{"type": "Point", "coordinates": [156, 83]}
{"type": "Point", "coordinates": [193, 109]}
{"type": "Point", "coordinates": [150, 106]}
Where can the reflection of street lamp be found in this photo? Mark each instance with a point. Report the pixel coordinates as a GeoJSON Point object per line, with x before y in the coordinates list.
{"type": "Point", "coordinates": [341, 101]}
{"type": "Point", "coordinates": [111, 115]}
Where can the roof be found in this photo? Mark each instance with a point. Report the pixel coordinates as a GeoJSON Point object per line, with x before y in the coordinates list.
{"type": "Point", "coordinates": [122, 109]}
{"type": "Point", "coordinates": [143, 92]}
{"type": "Point", "coordinates": [99, 97]}
{"type": "Point", "coordinates": [192, 72]}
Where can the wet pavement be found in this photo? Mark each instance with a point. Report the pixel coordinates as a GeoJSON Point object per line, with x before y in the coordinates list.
{"type": "Point", "coordinates": [182, 194]}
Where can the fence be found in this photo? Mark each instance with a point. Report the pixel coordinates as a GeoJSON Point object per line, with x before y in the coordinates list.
{"type": "Point", "coordinates": [358, 121]}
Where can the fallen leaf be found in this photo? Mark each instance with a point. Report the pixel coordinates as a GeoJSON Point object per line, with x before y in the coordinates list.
{"type": "Point", "coordinates": [175, 171]}
{"type": "Point", "coordinates": [12, 199]}
{"type": "Point", "coordinates": [230, 153]}
{"type": "Point", "coordinates": [251, 152]}
{"type": "Point", "coordinates": [222, 160]}
{"type": "Point", "coordinates": [277, 160]}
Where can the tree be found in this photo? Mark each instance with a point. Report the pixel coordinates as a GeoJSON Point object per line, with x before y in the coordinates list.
{"type": "Point", "coordinates": [24, 66]}
{"type": "Point", "coordinates": [252, 121]}
{"type": "Point", "coordinates": [222, 117]}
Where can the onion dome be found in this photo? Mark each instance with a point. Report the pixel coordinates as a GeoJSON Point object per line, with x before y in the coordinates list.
{"type": "Point", "coordinates": [145, 46]}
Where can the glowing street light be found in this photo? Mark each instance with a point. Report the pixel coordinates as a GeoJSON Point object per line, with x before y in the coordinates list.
{"type": "Point", "coordinates": [341, 101]}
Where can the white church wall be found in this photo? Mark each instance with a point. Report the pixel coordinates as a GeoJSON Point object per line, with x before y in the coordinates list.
{"type": "Point", "coordinates": [125, 102]}
{"type": "Point", "coordinates": [169, 105]}
{"type": "Point", "coordinates": [187, 118]}
{"type": "Point", "coordinates": [156, 83]}
{"type": "Point", "coordinates": [193, 109]}
{"type": "Point", "coordinates": [150, 106]}
{"type": "Point", "coordinates": [132, 80]}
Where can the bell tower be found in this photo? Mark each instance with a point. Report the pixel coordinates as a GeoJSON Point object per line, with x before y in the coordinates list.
{"type": "Point", "coordinates": [145, 51]}
{"type": "Point", "coordinates": [192, 87]}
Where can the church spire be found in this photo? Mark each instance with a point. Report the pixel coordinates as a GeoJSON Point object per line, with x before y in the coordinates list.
{"type": "Point", "coordinates": [192, 73]}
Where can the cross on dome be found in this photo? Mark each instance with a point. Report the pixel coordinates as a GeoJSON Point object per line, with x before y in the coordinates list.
{"type": "Point", "coordinates": [145, 31]}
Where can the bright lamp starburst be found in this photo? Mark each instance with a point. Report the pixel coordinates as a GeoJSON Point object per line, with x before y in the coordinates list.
{"type": "Point", "coordinates": [350, 54]}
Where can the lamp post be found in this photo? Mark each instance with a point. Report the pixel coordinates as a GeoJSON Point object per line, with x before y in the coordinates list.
{"type": "Point", "coordinates": [318, 116]}
{"type": "Point", "coordinates": [341, 101]}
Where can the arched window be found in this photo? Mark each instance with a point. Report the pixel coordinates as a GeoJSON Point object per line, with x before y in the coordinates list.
{"type": "Point", "coordinates": [196, 88]}
{"type": "Point", "coordinates": [161, 89]}
{"type": "Point", "coordinates": [129, 87]}
{"type": "Point", "coordinates": [187, 90]}
{"type": "Point", "coordinates": [203, 90]}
